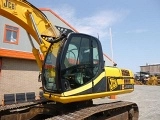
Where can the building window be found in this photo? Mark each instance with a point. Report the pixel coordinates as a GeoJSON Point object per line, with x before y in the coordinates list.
{"type": "Point", "coordinates": [11, 34]}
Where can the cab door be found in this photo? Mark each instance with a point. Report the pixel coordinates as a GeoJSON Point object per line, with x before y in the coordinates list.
{"type": "Point", "coordinates": [80, 62]}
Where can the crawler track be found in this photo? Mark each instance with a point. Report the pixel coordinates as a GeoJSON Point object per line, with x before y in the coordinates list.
{"type": "Point", "coordinates": [120, 110]}
{"type": "Point", "coordinates": [21, 111]}
{"type": "Point", "coordinates": [112, 111]}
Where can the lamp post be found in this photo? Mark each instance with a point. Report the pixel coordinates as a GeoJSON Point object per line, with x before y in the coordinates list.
{"type": "Point", "coordinates": [110, 33]}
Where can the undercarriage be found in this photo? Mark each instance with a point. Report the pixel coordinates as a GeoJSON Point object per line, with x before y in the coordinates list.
{"type": "Point", "coordinates": [86, 110]}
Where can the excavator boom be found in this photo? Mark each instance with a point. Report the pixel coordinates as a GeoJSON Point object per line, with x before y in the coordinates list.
{"type": "Point", "coordinates": [32, 20]}
{"type": "Point", "coordinates": [26, 15]}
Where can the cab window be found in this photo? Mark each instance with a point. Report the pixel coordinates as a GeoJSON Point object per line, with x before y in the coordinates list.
{"type": "Point", "coordinates": [81, 59]}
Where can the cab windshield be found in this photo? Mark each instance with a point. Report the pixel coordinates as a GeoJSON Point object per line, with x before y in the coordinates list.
{"type": "Point", "coordinates": [49, 68]}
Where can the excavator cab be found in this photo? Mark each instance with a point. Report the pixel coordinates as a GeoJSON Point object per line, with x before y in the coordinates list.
{"type": "Point", "coordinates": [73, 63]}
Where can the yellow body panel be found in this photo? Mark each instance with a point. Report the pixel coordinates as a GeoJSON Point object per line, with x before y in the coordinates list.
{"type": "Point", "coordinates": [114, 72]}
{"type": "Point", "coordinates": [69, 99]}
{"type": "Point", "coordinates": [117, 72]}
{"type": "Point", "coordinates": [70, 96]}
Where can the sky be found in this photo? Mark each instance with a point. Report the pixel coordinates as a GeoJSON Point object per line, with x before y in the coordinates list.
{"type": "Point", "coordinates": [135, 27]}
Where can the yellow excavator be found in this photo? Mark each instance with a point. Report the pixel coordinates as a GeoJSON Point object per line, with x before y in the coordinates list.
{"type": "Point", "coordinates": [72, 72]}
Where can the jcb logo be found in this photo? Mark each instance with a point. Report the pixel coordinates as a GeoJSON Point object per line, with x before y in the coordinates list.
{"type": "Point", "coordinates": [9, 4]}
{"type": "Point", "coordinates": [113, 84]}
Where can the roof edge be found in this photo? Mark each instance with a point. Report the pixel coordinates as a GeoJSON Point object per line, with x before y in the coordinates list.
{"type": "Point", "coordinates": [17, 54]}
{"type": "Point", "coordinates": [49, 10]}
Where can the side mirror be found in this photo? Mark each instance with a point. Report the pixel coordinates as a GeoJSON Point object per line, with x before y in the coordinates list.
{"type": "Point", "coordinates": [40, 77]}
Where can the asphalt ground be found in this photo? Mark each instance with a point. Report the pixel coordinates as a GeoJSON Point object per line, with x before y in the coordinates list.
{"type": "Point", "coordinates": [147, 99]}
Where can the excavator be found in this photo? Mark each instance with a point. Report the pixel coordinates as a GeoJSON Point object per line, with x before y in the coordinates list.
{"type": "Point", "coordinates": [73, 73]}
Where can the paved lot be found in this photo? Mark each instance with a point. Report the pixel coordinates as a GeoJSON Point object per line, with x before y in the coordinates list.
{"type": "Point", "coordinates": [147, 99]}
